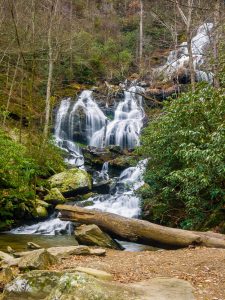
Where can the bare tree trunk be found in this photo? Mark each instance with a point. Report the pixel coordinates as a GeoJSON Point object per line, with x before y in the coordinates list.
{"type": "Point", "coordinates": [188, 20]}
{"type": "Point", "coordinates": [191, 60]}
{"type": "Point", "coordinates": [140, 230]}
{"type": "Point", "coordinates": [216, 43]}
{"type": "Point", "coordinates": [49, 85]}
{"type": "Point", "coordinates": [50, 73]}
{"type": "Point", "coordinates": [141, 35]}
{"type": "Point", "coordinates": [11, 91]}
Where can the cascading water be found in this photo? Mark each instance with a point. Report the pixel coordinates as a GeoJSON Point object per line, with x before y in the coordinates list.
{"type": "Point", "coordinates": [84, 121]}
{"type": "Point", "coordinates": [122, 200]}
{"type": "Point", "coordinates": [125, 129]}
{"type": "Point", "coordinates": [52, 226]}
{"type": "Point", "coordinates": [77, 122]}
{"type": "Point", "coordinates": [179, 59]}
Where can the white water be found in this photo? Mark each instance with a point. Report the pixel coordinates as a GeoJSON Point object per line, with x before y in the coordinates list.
{"type": "Point", "coordinates": [122, 200]}
{"type": "Point", "coordinates": [179, 59]}
{"type": "Point", "coordinates": [125, 129]}
{"type": "Point", "coordinates": [52, 226]}
{"type": "Point", "coordinates": [69, 121]}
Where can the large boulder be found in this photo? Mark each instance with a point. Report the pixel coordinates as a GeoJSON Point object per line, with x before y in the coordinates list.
{"type": "Point", "coordinates": [37, 260]}
{"type": "Point", "coordinates": [80, 285]}
{"type": "Point", "coordinates": [71, 182]}
{"type": "Point", "coordinates": [92, 235]}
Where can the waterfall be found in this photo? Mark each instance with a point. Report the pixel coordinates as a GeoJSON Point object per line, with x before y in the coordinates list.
{"type": "Point", "coordinates": [123, 200]}
{"type": "Point", "coordinates": [84, 121]}
{"type": "Point", "coordinates": [77, 122]}
{"type": "Point", "coordinates": [125, 129]}
{"type": "Point", "coordinates": [179, 58]}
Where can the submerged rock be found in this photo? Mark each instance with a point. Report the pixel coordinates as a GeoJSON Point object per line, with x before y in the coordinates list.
{"type": "Point", "coordinates": [71, 182]}
{"type": "Point", "coordinates": [39, 259]}
{"type": "Point", "coordinates": [80, 285]}
{"type": "Point", "coordinates": [92, 235]}
{"type": "Point", "coordinates": [31, 245]}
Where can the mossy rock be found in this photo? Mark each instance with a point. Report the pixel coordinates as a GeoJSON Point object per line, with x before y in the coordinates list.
{"type": "Point", "coordinates": [40, 212]}
{"type": "Point", "coordinates": [55, 197]}
{"type": "Point", "coordinates": [71, 182]}
{"type": "Point", "coordinates": [71, 285]}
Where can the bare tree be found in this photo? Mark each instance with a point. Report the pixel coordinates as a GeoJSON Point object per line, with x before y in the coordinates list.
{"type": "Point", "coordinates": [141, 35]}
{"type": "Point", "coordinates": [187, 19]}
{"type": "Point", "coordinates": [51, 59]}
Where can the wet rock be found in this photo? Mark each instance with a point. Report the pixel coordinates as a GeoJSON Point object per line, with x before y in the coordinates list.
{"type": "Point", "coordinates": [71, 182]}
{"type": "Point", "coordinates": [31, 245]}
{"type": "Point", "coordinates": [81, 285]}
{"type": "Point", "coordinates": [37, 260]}
{"type": "Point", "coordinates": [116, 157]}
{"type": "Point", "coordinates": [55, 197]}
{"type": "Point", "coordinates": [102, 187]}
{"type": "Point", "coordinates": [92, 235]}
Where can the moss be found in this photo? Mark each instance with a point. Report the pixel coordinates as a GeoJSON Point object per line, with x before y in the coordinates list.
{"type": "Point", "coordinates": [71, 180]}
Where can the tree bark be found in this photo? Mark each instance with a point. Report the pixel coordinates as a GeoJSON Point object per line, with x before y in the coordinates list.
{"type": "Point", "coordinates": [141, 35]}
{"type": "Point", "coordinates": [140, 230]}
{"type": "Point", "coordinates": [216, 42]}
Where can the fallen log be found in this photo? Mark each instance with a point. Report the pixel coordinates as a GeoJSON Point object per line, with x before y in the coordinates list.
{"type": "Point", "coordinates": [139, 230]}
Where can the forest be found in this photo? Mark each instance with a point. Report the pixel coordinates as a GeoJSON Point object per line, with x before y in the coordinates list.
{"type": "Point", "coordinates": [112, 107]}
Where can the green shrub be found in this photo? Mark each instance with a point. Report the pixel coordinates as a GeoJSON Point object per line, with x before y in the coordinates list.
{"type": "Point", "coordinates": [187, 158]}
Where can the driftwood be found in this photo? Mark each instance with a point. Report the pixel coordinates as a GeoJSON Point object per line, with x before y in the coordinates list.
{"type": "Point", "coordinates": [140, 230]}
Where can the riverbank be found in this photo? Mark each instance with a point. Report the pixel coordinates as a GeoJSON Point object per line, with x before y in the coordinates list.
{"type": "Point", "coordinates": [202, 267]}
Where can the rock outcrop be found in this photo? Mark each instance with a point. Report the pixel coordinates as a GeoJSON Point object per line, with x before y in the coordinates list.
{"type": "Point", "coordinates": [80, 285]}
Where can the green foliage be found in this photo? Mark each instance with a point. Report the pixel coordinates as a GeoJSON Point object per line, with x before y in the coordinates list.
{"type": "Point", "coordinates": [17, 176]}
{"type": "Point", "coordinates": [187, 155]}
{"type": "Point", "coordinates": [20, 171]}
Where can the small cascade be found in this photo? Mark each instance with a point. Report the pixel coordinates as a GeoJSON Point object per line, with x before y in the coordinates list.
{"type": "Point", "coordinates": [77, 122]}
{"type": "Point", "coordinates": [52, 226]}
{"type": "Point", "coordinates": [125, 129]}
{"type": "Point", "coordinates": [179, 59]}
{"type": "Point", "coordinates": [122, 200]}
{"type": "Point", "coordinates": [103, 175]}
